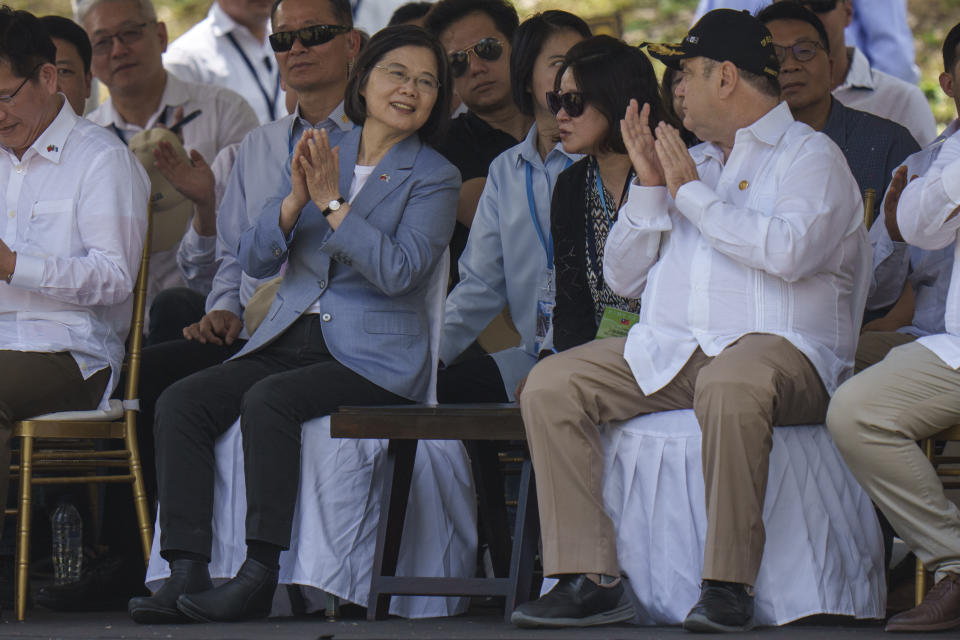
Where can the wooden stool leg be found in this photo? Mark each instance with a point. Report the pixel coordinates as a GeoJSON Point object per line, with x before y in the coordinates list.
{"type": "Point", "coordinates": [398, 470]}
{"type": "Point", "coordinates": [525, 538]}
{"type": "Point", "coordinates": [22, 560]}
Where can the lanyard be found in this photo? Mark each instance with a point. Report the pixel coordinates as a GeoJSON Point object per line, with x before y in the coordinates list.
{"type": "Point", "coordinates": [603, 200]}
{"type": "Point", "coordinates": [271, 101]}
{"type": "Point", "coordinates": [546, 240]}
{"type": "Point", "coordinates": [123, 138]}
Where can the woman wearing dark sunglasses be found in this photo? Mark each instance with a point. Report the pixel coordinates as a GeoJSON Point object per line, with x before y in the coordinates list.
{"type": "Point", "coordinates": [591, 93]}
{"type": "Point", "coordinates": [509, 254]}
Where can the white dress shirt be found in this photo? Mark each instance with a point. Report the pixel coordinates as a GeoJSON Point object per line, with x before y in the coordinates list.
{"type": "Point", "coordinates": [923, 216]}
{"type": "Point", "coordinates": [75, 213]}
{"type": "Point", "coordinates": [225, 119]}
{"type": "Point", "coordinates": [884, 95]}
{"type": "Point", "coordinates": [770, 241]}
{"type": "Point", "coordinates": [895, 263]}
{"type": "Point", "coordinates": [221, 52]}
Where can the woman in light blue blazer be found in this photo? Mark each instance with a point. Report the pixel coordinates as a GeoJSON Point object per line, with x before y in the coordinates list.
{"type": "Point", "coordinates": [360, 228]}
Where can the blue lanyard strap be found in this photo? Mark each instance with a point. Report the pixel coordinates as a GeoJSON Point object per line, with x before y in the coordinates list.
{"type": "Point", "coordinates": [603, 200]}
{"type": "Point", "coordinates": [546, 241]}
{"type": "Point", "coordinates": [271, 101]}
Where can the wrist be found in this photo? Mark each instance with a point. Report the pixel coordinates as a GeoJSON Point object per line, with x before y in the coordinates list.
{"type": "Point", "coordinates": [10, 267]}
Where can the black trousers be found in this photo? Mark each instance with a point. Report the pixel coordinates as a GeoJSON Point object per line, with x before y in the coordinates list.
{"type": "Point", "coordinates": [273, 391]}
{"type": "Point", "coordinates": [171, 311]}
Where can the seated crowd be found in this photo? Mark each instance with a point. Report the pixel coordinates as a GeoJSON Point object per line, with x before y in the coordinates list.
{"type": "Point", "coordinates": [695, 241]}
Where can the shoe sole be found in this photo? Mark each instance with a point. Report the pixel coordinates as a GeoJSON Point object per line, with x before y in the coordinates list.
{"type": "Point", "coordinates": [940, 626]}
{"type": "Point", "coordinates": [149, 615]}
{"type": "Point", "coordinates": [698, 623]}
{"type": "Point", "coordinates": [623, 613]}
{"type": "Point", "coordinates": [189, 610]}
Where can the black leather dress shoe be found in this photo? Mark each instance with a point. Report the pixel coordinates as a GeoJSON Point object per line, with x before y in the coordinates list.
{"type": "Point", "coordinates": [247, 596]}
{"type": "Point", "coordinates": [576, 601]}
{"type": "Point", "coordinates": [186, 576]}
{"type": "Point", "coordinates": [723, 607]}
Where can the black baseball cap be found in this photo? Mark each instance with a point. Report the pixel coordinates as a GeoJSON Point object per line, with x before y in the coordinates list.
{"type": "Point", "coordinates": [724, 34]}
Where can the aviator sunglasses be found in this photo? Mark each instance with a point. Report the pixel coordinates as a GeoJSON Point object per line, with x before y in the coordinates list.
{"type": "Point", "coordinates": [487, 49]}
{"type": "Point", "coordinates": [573, 102]}
{"type": "Point", "coordinates": [308, 36]}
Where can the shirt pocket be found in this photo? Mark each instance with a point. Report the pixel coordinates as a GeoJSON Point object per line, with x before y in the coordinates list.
{"type": "Point", "coordinates": [403, 323]}
{"type": "Point", "coordinates": [49, 229]}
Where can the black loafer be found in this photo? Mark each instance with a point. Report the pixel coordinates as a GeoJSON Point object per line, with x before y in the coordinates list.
{"type": "Point", "coordinates": [576, 601]}
{"type": "Point", "coordinates": [723, 607]}
{"type": "Point", "coordinates": [186, 576]}
{"type": "Point", "coordinates": [247, 596]}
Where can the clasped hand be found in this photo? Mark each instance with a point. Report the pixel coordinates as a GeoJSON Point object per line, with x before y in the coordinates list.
{"type": "Point", "coordinates": [660, 159]}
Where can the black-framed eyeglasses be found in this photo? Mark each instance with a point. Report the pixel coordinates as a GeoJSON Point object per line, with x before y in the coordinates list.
{"type": "Point", "coordinates": [398, 74]}
{"type": "Point", "coordinates": [8, 100]}
{"type": "Point", "coordinates": [127, 36]}
{"type": "Point", "coordinates": [573, 102]}
{"type": "Point", "coordinates": [803, 50]}
{"type": "Point", "coordinates": [488, 49]}
{"type": "Point", "coordinates": [819, 6]}
{"type": "Point", "coordinates": [282, 41]}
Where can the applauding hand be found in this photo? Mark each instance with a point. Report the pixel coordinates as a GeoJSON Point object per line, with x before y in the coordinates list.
{"type": "Point", "coordinates": [638, 139]}
{"type": "Point", "coordinates": [678, 166]}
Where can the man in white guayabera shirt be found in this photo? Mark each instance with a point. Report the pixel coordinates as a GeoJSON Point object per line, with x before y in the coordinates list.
{"type": "Point", "coordinates": [753, 265]}
{"type": "Point", "coordinates": [914, 392]}
{"type": "Point", "coordinates": [71, 235]}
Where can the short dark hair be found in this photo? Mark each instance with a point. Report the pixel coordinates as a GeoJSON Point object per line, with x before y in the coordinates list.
{"type": "Point", "coordinates": [385, 41]}
{"type": "Point", "coordinates": [767, 85]}
{"type": "Point", "coordinates": [410, 11]}
{"type": "Point", "coordinates": [950, 44]}
{"type": "Point", "coordinates": [609, 72]}
{"type": "Point", "coordinates": [24, 42]}
{"type": "Point", "coordinates": [795, 11]}
{"type": "Point", "coordinates": [528, 41]}
{"type": "Point", "coordinates": [446, 12]}
{"type": "Point", "coordinates": [342, 11]}
{"type": "Point", "coordinates": [67, 29]}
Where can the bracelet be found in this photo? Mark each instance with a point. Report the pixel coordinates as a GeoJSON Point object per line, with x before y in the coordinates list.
{"type": "Point", "coordinates": [10, 275]}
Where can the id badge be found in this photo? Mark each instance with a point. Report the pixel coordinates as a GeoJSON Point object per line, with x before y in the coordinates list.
{"type": "Point", "coordinates": [545, 305]}
{"type": "Point", "coordinates": [616, 323]}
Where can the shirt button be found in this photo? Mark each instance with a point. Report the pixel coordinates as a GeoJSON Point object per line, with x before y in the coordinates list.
{"type": "Point", "coordinates": [326, 317]}
{"type": "Point", "coordinates": [277, 251]}
{"type": "Point", "coordinates": [323, 284]}
{"type": "Point", "coordinates": [13, 213]}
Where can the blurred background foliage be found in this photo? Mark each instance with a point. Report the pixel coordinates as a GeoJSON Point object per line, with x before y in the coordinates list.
{"type": "Point", "coordinates": [640, 20]}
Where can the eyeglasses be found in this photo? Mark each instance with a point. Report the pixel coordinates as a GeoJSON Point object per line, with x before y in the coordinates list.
{"type": "Point", "coordinates": [8, 100]}
{"type": "Point", "coordinates": [398, 75]}
{"type": "Point", "coordinates": [819, 6]}
{"type": "Point", "coordinates": [803, 50]}
{"type": "Point", "coordinates": [573, 102]}
{"type": "Point", "coordinates": [488, 49]}
{"type": "Point", "coordinates": [308, 36]}
{"type": "Point", "coordinates": [127, 36]}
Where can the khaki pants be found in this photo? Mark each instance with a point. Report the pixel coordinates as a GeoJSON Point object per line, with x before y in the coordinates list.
{"type": "Point", "coordinates": [876, 418]}
{"type": "Point", "coordinates": [875, 345]}
{"type": "Point", "coordinates": [758, 381]}
{"type": "Point", "coordinates": [32, 384]}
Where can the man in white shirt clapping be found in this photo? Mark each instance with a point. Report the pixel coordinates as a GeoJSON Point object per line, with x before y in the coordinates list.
{"type": "Point", "coordinates": [75, 215]}
{"type": "Point", "coordinates": [753, 264]}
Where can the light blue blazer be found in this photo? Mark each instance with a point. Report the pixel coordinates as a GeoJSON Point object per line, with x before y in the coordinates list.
{"type": "Point", "coordinates": [371, 275]}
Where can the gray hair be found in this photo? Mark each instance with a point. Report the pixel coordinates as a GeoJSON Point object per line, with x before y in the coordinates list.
{"type": "Point", "coordinates": [82, 8]}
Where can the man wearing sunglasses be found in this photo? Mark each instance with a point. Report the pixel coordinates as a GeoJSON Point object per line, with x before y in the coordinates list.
{"type": "Point", "coordinates": [752, 262]}
{"type": "Point", "coordinates": [128, 42]}
{"type": "Point", "coordinates": [859, 86]}
{"type": "Point", "coordinates": [873, 146]}
{"type": "Point", "coordinates": [229, 48]}
{"type": "Point", "coordinates": [476, 35]}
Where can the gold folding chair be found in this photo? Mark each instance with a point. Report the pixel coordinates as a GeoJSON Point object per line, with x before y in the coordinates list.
{"type": "Point", "coordinates": [58, 446]}
{"type": "Point", "coordinates": [869, 202]}
{"type": "Point", "coordinates": [950, 479]}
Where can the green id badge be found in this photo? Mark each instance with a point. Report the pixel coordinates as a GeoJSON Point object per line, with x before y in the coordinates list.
{"type": "Point", "coordinates": [616, 323]}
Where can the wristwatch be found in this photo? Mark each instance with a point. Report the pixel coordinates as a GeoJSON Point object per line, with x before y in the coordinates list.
{"type": "Point", "coordinates": [334, 205]}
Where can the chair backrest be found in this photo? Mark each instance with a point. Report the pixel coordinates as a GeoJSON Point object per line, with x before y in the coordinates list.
{"type": "Point", "coordinates": [135, 338]}
{"type": "Point", "coordinates": [869, 202]}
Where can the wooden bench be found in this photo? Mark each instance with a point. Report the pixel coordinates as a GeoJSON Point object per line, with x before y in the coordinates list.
{"type": "Point", "coordinates": [404, 426]}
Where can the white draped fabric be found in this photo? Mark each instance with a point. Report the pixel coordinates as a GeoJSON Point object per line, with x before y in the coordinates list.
{"type": "Point", "coordinates": [824, 550]}
{"type": "Point", "coordinates": [338, 510]}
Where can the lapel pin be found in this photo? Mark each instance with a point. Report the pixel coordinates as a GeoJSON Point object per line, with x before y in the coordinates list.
{"type": "Point", "coordinates": [384, 177]}
{"type": "Point", "coordinates": [52, 148]}
{"type": "Point", "coordinates": [743, 185]}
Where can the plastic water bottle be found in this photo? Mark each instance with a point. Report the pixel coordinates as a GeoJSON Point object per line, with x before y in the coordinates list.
{"type": "Point", "coordinates": [67, 544]}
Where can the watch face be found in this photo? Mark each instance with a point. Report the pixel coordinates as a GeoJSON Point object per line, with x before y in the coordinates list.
{"type": "Point", "coordinates": [334, 205]}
